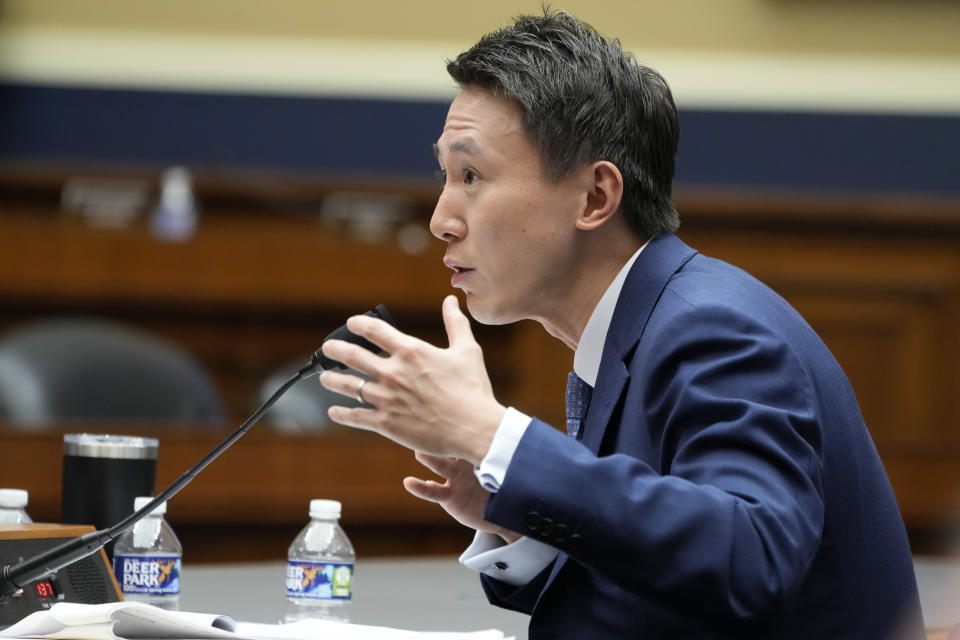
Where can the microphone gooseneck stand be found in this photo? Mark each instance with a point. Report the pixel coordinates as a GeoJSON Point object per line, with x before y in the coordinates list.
{"type": "Point", "coordinates": [15, 577]}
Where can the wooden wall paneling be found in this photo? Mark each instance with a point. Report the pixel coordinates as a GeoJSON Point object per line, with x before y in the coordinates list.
{"type": "Point", "coordinates": [260, 486]}
{"type": "Point", "coordinates": [544, 362]}
{"type": "Point", "coordinates": [230, 261]}
{"type": "Point", "coordinates": [948, 372]}
{"type": "Point", "coordinates": [888, 351]}
{"type": "Point", "coordinates": [265, 476]}
{"type": "Point", "coordinates": [878, 279]}
{"type": "Point", "coordinates": [927, 485]}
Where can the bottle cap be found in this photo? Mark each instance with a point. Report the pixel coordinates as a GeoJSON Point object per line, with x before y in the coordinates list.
{"type": "Point", "coordinates": [324, 508]}
{"type": "Point", "coordinates": [142, 501]}
{"type": "Point", "coordinates": [13, 498]}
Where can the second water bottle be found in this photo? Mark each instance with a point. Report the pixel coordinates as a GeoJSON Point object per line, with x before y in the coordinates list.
{"type": "Point", "coordinates": [146, 560]}
{"type": "Point", "coordinates": [320, 567]}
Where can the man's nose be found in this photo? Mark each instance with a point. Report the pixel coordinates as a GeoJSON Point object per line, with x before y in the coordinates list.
{"type": "Point", "coordinates": [446, 222]}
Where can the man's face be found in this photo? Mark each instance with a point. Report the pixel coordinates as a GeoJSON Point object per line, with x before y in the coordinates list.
{"type": "Point", "coordinates": [510, 234]}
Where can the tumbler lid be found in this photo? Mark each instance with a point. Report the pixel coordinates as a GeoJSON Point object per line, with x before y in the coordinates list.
{"type": "Point", "coordinates": [13, 498]}
{"type": "Point", "coordinates": [95, 445]}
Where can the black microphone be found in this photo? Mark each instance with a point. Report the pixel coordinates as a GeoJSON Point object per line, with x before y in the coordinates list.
{"type": "Point", "coordinates": [15, 577]}
{"type": "Point", "coordinates": [322, 362]}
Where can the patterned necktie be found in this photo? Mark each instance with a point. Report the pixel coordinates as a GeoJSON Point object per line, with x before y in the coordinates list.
{"type": "Point", "coordinates": [578, 399]}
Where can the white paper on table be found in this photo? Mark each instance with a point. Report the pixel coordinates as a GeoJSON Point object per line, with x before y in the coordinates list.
{"type": "Point", "coordinates": [138, 621]}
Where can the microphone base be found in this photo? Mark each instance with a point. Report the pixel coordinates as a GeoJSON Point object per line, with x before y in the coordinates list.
{"type": "Point", "coordinates": [87, 581]}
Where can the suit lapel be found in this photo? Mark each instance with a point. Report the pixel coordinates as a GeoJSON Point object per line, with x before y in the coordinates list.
{"type": "Point", "coordinates": [657, 263]}
{"type": "Point", "coordinates": [648, 277]}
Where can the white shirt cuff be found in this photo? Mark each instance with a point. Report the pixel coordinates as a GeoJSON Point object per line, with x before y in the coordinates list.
{"type": "Point", "coordinates": [516, 564]}
{"type": "Point", "coordinates": [493, 468]}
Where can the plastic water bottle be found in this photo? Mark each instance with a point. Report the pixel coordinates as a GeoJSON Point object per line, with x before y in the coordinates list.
{"type": "Point", "coordinates": [175, 216]}
{"type": "Point", "coordinates": [13, 504]}
{"type": "Point", "coordinates": [320, 567]}
{"type": "Point", "coordinates": [146, 560]}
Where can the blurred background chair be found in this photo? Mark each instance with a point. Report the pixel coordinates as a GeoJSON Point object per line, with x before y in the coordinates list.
{"type": "Point", "coordinates": [303, 408]}
{"type": "Point", "coordinates": [92, 369]}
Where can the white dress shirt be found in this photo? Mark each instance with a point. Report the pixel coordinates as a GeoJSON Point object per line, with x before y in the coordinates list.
{"type": "Point", "coordinates": [519, 562]}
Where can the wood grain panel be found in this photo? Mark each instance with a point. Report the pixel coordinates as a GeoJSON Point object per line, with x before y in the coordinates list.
{"type": "Point", "coordinates": [879, 280]}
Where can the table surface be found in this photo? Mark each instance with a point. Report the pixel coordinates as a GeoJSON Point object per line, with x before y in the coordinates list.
{"type": "Point", "coordinates": [423, 594]}
{"type": "Point", "coordinates": [438, 594]}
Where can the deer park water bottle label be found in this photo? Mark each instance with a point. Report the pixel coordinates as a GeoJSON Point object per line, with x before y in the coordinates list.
{"type": "Point", "coordinates": [156, 575]}
{"type": "Point", "coordinates": [319, 580]}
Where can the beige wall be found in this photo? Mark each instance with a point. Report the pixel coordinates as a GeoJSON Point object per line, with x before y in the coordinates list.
{"type": "Point", "coordinates": [860, 55]}
{"type": "Point", "coordinates": [907, 27]}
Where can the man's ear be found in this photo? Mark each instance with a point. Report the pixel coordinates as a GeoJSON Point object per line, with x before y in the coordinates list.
{"type": "Point", "coordinates": [604, 196]}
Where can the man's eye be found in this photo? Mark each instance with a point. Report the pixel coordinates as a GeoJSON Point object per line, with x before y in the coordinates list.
{"type": "Point", "coordinates": [470, 176]}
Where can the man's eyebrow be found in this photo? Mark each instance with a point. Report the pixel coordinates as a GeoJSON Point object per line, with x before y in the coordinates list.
{"type": "Point", "coordinates": [463, 145]}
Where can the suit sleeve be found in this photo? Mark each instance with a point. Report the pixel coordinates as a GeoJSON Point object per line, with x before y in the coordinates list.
{"type": "Point", "coordinates": [706, 497]}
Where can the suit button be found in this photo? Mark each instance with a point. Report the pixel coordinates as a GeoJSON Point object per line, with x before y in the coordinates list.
{"type": "Point", "coordinates": [533, 520]}
{"type": "Point", "coordinates": [546, 527]}
{"type": "Point", "coordinates": [575, 540]}
{"type": "Point", "coordinates": [560, 533]}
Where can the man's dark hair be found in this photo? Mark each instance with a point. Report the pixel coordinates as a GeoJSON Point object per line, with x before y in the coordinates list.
{"type": "Point", "coordinates": [584, 99]}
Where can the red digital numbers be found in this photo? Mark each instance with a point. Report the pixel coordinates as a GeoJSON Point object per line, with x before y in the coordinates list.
{"type": "Point", "coordinates": [45, 590]}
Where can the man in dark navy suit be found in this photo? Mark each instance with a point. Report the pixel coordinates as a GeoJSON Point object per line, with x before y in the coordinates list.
{"type": "Point", "coordinates": [716, 478]}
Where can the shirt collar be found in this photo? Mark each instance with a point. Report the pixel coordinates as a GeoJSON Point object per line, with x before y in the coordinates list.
{"type": "Point", "coordinates": [586, 359]}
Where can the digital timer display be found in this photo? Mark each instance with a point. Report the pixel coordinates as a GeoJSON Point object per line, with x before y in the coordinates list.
{"type": "Point", "coordinates": [45, 590]}
{"type": "Point", "coordinates": [89, 581]}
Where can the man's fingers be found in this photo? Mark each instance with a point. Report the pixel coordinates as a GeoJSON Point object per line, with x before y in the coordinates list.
{"type": "Point", "coordinates": [346, 384]}
{"type": "Point", "coordinates": [444, 466]}
{"type": "Point", "coordinates": [377, 331]}
{"type": "Point", "coordinates": [426, 489]}
{"type": "Point", "coordinates": [438, 464]}
{"type": "Point", "coordinates": [352, 355]}
{"type": "Point", "coordinates": [455, 322]}
{"type": "Point", "coordinates": [358, 418]}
